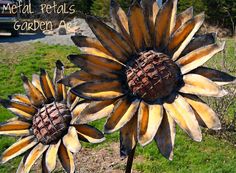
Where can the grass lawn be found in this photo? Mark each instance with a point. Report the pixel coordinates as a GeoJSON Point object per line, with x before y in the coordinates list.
{"type": "Point", "coordinates": [212, 155]}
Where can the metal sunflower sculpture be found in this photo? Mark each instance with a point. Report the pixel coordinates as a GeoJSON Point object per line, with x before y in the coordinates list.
{"type": "Point", "coordinates": [46, 124]}
{"type": "Point", "coordinates": [147, 74]}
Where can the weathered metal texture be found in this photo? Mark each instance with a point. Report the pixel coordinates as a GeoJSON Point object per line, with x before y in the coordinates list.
{"type": "Point", "coordinates": [51, 123]}
{"type": "Point", "coordinates": [152, 75]}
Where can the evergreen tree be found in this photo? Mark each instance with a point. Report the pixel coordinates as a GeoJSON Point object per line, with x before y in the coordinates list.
{"type": "Point", "coordinates": [198, 5]}
{"type": "Point", "coordinates": [101, 8]}
{"type": "Point", "coordinates": [83, 5]}
{"type": "Point", "coordinates": [222, 13]}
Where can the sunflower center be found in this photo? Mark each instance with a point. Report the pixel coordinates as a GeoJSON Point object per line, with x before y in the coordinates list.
{"type": "Point", "coordinates": [51, 123]}
{"type": "Point", "coordinates": [152, 75]}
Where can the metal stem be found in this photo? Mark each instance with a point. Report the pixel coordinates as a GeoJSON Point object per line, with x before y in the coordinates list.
{"type": "Point", "coordinates": [130, 161]}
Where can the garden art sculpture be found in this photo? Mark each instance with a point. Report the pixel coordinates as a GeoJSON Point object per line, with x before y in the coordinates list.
{"type": "Point", "coordinates": [145, 75]}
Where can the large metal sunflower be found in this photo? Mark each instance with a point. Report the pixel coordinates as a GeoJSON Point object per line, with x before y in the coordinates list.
{"type": "Point", "coordinates": [146, 74]}
{"type": "Point", "coordinates": [46, 124]}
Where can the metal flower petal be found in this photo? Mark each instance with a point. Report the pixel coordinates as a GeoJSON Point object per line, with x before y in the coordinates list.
{"type": "Point", "coordinates": [46, 124]}
{"type": "Point", "coordinates": [160, 61]}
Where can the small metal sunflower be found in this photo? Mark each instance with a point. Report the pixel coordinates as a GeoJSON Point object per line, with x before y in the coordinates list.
{"type": "Point", "coordinates": [147, 74]}
{"type": "Point", "coordinates": [46, 124]}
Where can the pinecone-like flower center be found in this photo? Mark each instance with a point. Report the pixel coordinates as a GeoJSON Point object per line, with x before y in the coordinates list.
{"type": "Point", "coordinates": [51, 123]}
{"type": "Point", "coordinates": [152, 75]}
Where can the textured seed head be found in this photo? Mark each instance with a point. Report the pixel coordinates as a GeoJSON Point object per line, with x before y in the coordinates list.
{"type": "Point", "coordinates": [152, 76]}
{"type": "Point", "coordinates": [51, 123]}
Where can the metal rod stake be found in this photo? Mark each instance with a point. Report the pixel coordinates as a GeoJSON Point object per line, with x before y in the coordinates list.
{"type": "Point", "coordinates": [130, 161]}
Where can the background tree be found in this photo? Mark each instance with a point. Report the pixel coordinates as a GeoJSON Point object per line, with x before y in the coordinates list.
{"type": "Point", "coordinates": [83, 5]}
{"type": "Point", "coordinates": [221, 13]}
{"type": "Point", "coordinates": [101, 8]}
{"type": "Point", "coordinates": [198, 5]}
{"type": "Point", "coordinates": [218, 12]}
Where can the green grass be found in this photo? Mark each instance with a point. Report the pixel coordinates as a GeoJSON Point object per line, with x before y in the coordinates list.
{"type": "Point", "coordinates": [225, 61]}
{"type": "Point", "coordinates": [212, 155]}
{"type": "Point", "coordinates": [216, 61]}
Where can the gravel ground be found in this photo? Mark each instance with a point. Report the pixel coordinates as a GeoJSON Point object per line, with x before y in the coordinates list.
{"type": "Point", "coordinates": [51, 40]}
{"type": "Point", "coordinates": [57, 39]}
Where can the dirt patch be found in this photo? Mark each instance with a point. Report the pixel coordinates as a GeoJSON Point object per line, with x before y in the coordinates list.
{"type": "Point", "coordinates": [93, 160]}
{"type": "Point", "coordinates": [105, 160]}
{"type": "Point", "coordinates": [221, 32]}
